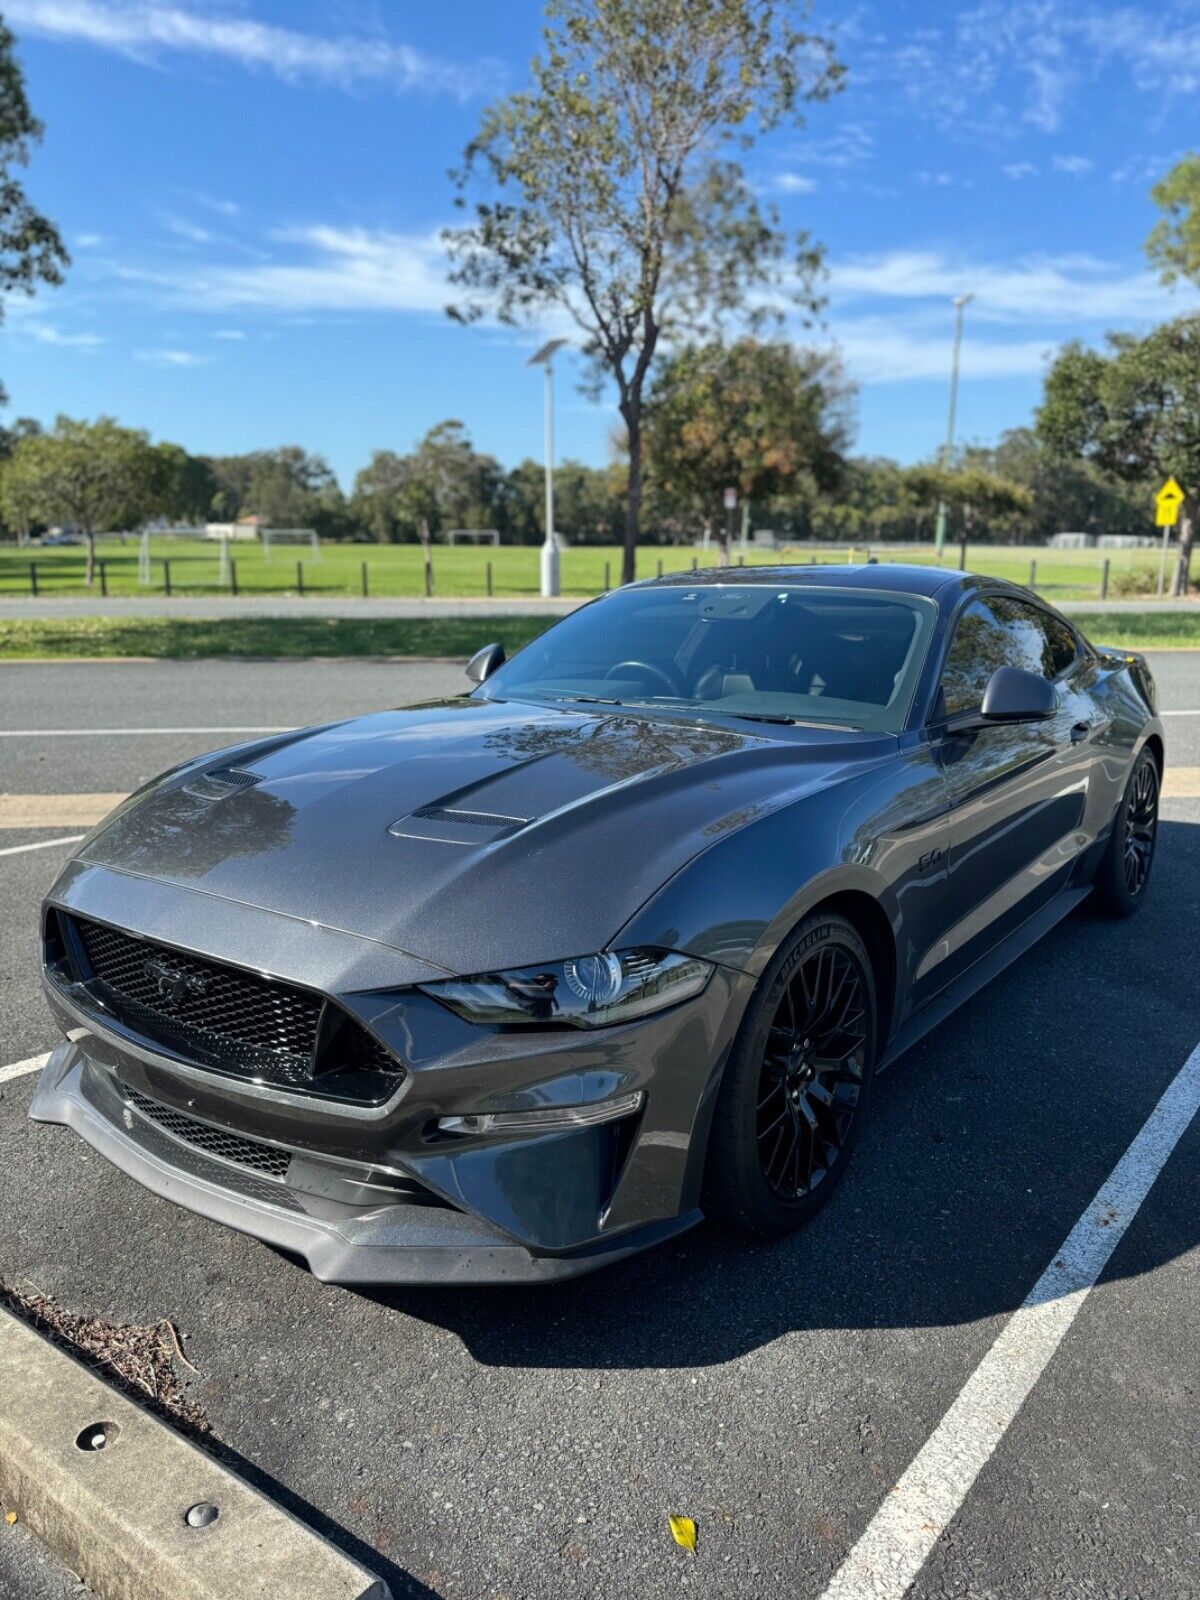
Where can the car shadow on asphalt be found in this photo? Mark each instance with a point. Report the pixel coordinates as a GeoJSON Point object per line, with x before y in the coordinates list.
{"type": "Point", "coordinates": [984, 1145]}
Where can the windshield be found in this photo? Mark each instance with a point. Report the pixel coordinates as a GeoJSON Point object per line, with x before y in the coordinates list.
{"type": "Point", "coordinates": [838, 656]}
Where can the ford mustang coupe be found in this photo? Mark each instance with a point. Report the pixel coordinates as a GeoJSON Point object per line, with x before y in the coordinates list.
{"type": "Point", "coordinates": [511, 985]}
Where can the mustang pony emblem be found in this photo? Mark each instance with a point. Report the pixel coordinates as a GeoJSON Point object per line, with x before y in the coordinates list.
{"type": "Point", "coordinates": [173, 984]}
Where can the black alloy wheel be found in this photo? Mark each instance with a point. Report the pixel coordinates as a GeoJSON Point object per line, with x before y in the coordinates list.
{"type": "Point", "coordinates": [1141, 825]}
{"type": "Point", "coordinates": [794, 1091]}
{"type": "Point", "coordinates": [812, 1072]}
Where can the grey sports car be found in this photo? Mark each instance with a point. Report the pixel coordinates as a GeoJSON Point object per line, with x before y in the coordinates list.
{"type": "Point", "coordinates": [509, 986]}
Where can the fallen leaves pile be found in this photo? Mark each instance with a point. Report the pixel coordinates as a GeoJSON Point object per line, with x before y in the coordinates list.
{"type": "Point", "coordinates": [139, 1358]}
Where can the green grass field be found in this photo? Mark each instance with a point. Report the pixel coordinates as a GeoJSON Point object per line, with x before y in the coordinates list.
{"type": "Point", "coordinates": [462, 570]}
{"type": "Point", "coordinates": [187, 638]}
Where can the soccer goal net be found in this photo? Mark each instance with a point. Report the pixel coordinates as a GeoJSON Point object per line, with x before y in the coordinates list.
{"type": "Point", "coordinates": [290, 538]}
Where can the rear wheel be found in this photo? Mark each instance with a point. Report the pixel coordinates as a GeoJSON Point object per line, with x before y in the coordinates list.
{"type": "Point", "coordinates": [1121, 878]}
{"type": "Point", "coordinates": [796, 1085]}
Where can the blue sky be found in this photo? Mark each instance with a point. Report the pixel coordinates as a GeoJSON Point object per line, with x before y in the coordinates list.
{"type": "Point", "coordinates": [252, 192]}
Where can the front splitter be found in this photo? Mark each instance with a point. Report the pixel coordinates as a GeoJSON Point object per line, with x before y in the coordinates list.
{"type": "Point", "coordinates": [379, 1244]}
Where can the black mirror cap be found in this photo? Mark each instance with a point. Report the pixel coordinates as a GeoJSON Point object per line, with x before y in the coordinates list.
{"type": "Point", "coordinates": [484, 662]}
{"type": "Point", "coordinates": [1014, 695]}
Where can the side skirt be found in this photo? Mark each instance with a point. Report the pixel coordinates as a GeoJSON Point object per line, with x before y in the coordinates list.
{"type": "Point", "coordinates": [988, 966]}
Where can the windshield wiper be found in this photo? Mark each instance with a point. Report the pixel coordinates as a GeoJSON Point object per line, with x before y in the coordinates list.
{"type": "Point", "coordinates": [592, 699]}
{"type": "Point", "coordinates": [791, 722]}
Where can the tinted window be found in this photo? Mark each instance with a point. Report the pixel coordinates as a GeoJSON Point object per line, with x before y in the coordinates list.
{"type": "Point", "coordinates": [1002, 633]}
{"type": "Point", "coordinates": [981, 643]}
{"type": "Point", "coordinates": [817, 655]}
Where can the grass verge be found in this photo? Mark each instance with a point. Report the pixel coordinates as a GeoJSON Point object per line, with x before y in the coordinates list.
{"type": "Point", "coordinates": [1140, 630]}
{"type": "Point", "coordinates": [189, 638]}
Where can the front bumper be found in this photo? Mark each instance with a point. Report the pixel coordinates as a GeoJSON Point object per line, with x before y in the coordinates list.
{"type": "Point", "coordinates": [376, 1241]}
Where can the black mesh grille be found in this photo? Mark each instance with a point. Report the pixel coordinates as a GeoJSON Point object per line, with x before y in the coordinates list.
{"type": "Point", "coordinates": [237, 1010]}
{"type": "Point", "coordinates": [263, 1158]}
{"type": "Point", "coordinates": [232, 1020]}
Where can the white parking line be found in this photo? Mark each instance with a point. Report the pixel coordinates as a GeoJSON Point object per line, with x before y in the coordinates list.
{"type": "Point", "coordinates": [1179, 713]}
{"type": "Point", "coordinates": [42, 844]}
{"type": "Point", "coordinates": [905, 1529]}
{"type": "Point", "coordinates": [109, 733]}
{"type": "Point", "coordinates": [20, 1068]}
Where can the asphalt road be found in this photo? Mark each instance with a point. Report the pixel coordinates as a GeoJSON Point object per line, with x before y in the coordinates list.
{"type": "Point", "coordinates": [531, 1443]}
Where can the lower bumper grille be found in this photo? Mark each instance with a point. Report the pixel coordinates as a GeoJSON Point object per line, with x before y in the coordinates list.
{"type": "Point", "coordinates": [258, 1157]}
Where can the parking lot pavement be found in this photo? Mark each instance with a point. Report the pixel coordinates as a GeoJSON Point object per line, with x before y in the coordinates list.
{"type": "Point", "coordinates": [533, 1442]}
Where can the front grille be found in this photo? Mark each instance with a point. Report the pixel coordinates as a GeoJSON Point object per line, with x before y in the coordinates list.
{"type": "Point", "coordinates": [225, 1017]}
{"type": "Point", "coordinates": [262, 1158]}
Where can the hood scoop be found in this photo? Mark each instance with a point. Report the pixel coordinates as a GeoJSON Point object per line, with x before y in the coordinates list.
{"type": "Point", "coordinates": [449, 825]}
{"type": "Point", "coordinates": [221, 781]}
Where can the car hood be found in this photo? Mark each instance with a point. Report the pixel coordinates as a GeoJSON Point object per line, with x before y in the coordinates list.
{"type": "Point", "coordinates": [470, 833]}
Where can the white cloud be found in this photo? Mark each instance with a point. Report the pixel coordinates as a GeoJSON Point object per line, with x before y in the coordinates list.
{"type": "Point", "coordinates": [849, 146]}
{"type": "Point", "coordinates": [883, 350]}
{"type": "Point", "coordinates": [171, 358]}
{"type": "Point", "coordinates": [47, 333]}
{"type": "Point", "coordinates": [89, 241]}
{"type": "Point", "coordinates": [795, 183]}
{"type": "Point", "coordinates": [147, 29]}
{"type": "Point", "coordinates": [1016, 170]}
{"type": "Point", "coordinates": [1069, 291]}
{"type": "Point", "coordinates": [233, 334]}
{"type": "Point", "coordinates": [336, 269]}
{"type": "Point", "coordinates": [1075, 166]}
{"type": "Point", "coordinates": [191, 231]}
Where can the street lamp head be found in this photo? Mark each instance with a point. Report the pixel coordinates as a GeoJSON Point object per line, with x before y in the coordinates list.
{"type": "Point", "coordinates": [961, 300]}
{"type": "Point", "coordinates": [546, 353]}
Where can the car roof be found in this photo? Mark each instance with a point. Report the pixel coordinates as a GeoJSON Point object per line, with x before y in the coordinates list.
{"type": "Point", "coordinates": [895, 577]}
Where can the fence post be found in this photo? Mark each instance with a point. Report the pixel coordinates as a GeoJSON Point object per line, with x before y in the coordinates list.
{"type": "Point", "coordinates": [233, 588]}
{"type": "Point", "coordinates": [962, 555]}
{"type": "Point", "coordinates": [695, 564]}
{"type": "Point", "coordinates": [299, 577]}
{"type": "Point", "coordinates": [428, 574]}
{"type": "Point", "coordinates": [33, 588]}
{"type": "Point", "coordinates": [489, 580]}
{"type": "Point", "coordinates": [103, 579]}
{"type": "Point", "coordinates": [1104, 579]}
{"type": "Point", "coordinates": [660, 567]}
{"type": "Point", "coordinates": [1033, 574]}
{"type": "Point", "coordinates": [741, 561]}
{"type": "Point", "coordinates": [365, 586]}
{"type": "Point", "coordinates": [607, 572]}
{"type": "Point", "coordinates": [166, 576]}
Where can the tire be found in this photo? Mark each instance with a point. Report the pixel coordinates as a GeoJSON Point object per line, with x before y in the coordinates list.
{"type": "Point", "coordinates": [1119, 886]}
{"type": "Point", "coordinates": [796, 1087]}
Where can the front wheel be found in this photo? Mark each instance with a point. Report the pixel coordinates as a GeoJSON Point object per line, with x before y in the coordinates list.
{"type": "Point", "coordinates": [795, 1089]}
{"type": "Point", "coordinates": [1124, 870]}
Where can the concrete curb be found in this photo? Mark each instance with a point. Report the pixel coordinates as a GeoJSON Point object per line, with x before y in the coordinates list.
{"type": "Point", "coordinates": [107, 1487]}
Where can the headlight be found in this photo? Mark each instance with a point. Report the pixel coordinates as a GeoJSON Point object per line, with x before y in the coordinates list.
{"type": "Point", "coordinates": [583, 992]}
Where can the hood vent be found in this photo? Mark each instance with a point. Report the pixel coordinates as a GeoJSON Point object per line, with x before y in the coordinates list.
{"type": "Point", "coordinates": [445, 825]}
{"type": "Point", "coordinates": [222, 781]}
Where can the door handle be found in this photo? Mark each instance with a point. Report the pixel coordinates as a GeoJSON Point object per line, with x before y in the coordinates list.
{"type": "Point", "coordinates": [1080, 731]}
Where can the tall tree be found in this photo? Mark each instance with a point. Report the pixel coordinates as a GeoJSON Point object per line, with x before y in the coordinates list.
{"type": "Point", "coordinates": [95, 476]}
{"type": "Point", "coordinates": [1135, 412]}
{"type": "Point", "coordinates": [31, 249]}
{"type": "Point", "coordinates": [607, 189]}
{"type": "Point", "coordinates": [756, 417]}
{"type": "Point", "coordinates": [1174, 242]}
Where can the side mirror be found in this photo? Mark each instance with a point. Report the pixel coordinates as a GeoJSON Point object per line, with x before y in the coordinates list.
{"type": "Point", "coordinates": [1014, 695]}
{"type": "Point", "coordinates": [484, 662]}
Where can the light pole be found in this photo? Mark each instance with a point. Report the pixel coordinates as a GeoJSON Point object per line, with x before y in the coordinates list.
{"type": "Point", "coordinates": [545, 359]}
{"type": "Point", "coordinates": [960, 302]}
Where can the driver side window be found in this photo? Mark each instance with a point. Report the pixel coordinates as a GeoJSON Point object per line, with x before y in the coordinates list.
{"type": "Point", "coordinates": [981, 643]}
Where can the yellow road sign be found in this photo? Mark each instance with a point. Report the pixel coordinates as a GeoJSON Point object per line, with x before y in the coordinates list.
{"type": "Point", "coordinates": [1167, 503]}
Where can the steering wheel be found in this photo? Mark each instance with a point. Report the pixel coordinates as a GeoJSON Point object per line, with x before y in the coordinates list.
{"type": "Point", "coordinates": [623, 668]}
